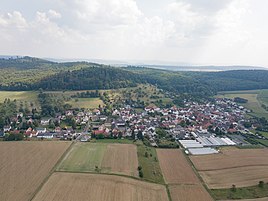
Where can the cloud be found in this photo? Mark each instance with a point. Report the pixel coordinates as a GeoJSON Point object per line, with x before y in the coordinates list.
{"type": "Point", "coordinates": [14, 19]}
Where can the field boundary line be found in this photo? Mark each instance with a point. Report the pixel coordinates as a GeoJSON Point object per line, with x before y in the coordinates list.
{"type": "Point", "coordinates": [210, 170]}
{"type": "Point", "coordinates": [112, 174]}
{"type": "Point", "coordinates": [202, 182]}
{"type": "Point", "coordinates": [51, 172]}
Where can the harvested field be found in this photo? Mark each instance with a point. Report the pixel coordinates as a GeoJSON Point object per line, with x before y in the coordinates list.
{"type": "Point", "coordinates": [78, 186]}
{"type": "Point", "coordinates": [231, 158]}
{"type": "Point", "coordinates": [25, 165]}
{"type": "Point", "coordinates": [241, 167]}
{"type": "Point", "coordinates": [120, 158]}
{"type": "Point", "coordinates": [175, 167]}
{"type": "Point", "coordinates": [256, 199]}
{"type": "Point", "coordinates": [189, 193]}
{"type": "Point", "coordinates": [241, 177]}
{"type": "Point", "coordinates": [109, 158]}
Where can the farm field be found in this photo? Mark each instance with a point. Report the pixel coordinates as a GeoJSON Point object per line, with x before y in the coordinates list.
{"type": "Point", "coordinates": [79, 186]}
{"type": "Point", "coordinates": [189, 193]}
{"type": "Point", "coordinates": [175, 167]}
{"type": "Point", "coordinates": [255, 99]}
{"type": "Point", "coordinates": [241, 167]}
{"type": "Point", "coordinates": [101, 157]}
{"type": "Point", "coordinates": [252, 193]}
{"type": "Point", "coordinates": [183, 183]}
{"type": "Point", "coordinates": [25, 165]}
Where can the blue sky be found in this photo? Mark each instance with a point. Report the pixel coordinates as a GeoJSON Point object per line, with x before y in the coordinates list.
{"type": "Point", "coordinates": [203, 32]}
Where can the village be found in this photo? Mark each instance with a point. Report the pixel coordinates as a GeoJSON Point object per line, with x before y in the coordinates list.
{"type": "Point", "coordinates": [199, 128]}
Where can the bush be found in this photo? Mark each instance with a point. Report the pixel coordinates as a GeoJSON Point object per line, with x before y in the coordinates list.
{"type": "Point", "coordinates": [140, 174]}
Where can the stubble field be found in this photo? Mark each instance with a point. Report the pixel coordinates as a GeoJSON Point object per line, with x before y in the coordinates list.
{"type": "Point", "coordinates": [241, 167]}
{"type": "Point", "coordinates": [175, 167]}
{"type": "Point", "coordinates": [25, 165]}
{"type": "Point", "coordinates": [189, 193]}
{"type": "Point", "coordinates": [183, 183]}
{"type": "Point", "coordinates": [79, 186]}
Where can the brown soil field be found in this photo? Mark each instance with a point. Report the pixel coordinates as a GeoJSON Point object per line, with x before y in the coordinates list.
{"type": "Point", "coordinates": [93, 187]}
{"type": "Point", "coordinates": [241, 177]}
{"type": "Point", "coordinates": [175, 167]}
{"type": "Point", "coordinates": [121, 158]}
{"type": "Point", "coordinates": [189, 193]}
{"type": "Point", "coordinates": [231, 158]}
{"type": "Point", "coordinates": [256, 199]}
{"type": "Point", "coordinates": [242, 167]}
{"type": "Point", "coordinates": [25, 165]}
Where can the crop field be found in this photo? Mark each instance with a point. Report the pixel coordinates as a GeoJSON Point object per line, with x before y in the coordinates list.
{"type": "Point", "coordinates": [175, 167]}
{"type": "Point", "coordinates": [79, 186]}
{"type": "Point", "coordinates": [255, 99]}
{"type": "Point", "coordinates": [182, 181]}
{"type": "Point", "coordinates": [189, 193]}
{"type": "Point", "coordinates": [101, 157]}
{"type": "Point", "coordinates": [241, 167]}
{"type": "Point", "coordinates": [120, 158]}
{"type": "Point", "coordinates": [25, 165]}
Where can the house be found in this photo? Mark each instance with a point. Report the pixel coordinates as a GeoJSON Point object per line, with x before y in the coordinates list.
{"type": "Point", "coordinates": [40, 130]}
{"type": "Point", "coordinates": [7, 128]}
{"type": "Point", "coordinates": [45, 122]}
{"type": "Point", "coordinates": [46, 135]}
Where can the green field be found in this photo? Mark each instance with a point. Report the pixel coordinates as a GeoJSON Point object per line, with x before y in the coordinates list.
{"type": "Point", "coordinates": [255, 99]}
{"type": "Point", "coordinates": [25, 99]}
{"type": "Point", "coordinates": [87, 103]}
{"type": "Point", "coordinates": [240, 193]}
{"type": "Point", "coordinates": [83, 157]}
{"type": "Point", "coordinates": [150, 164]}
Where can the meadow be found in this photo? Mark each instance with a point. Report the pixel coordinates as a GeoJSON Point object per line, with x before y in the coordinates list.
{"type": "Point", "coordinates": [255, 100]}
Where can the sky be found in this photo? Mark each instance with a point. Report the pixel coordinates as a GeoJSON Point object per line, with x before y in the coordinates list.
{"type": "Point", "coordinates": [198, 32]}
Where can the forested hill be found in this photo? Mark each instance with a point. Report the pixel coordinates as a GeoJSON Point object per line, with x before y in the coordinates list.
{"type": "Point", "coordinates": [32, 74]}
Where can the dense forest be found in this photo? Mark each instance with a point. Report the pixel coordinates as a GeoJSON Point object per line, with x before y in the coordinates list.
{"type": "Point", "coordinates": [33, 74]}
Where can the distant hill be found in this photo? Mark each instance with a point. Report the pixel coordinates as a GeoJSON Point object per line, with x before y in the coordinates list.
{"type": "Point", "coordinates": [29, 73]}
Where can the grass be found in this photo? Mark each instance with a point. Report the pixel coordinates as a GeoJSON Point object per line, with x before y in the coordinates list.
{"type": "Point", "coordinates": [25, 99]}
{"type": "Point", "coordinates": [150, 166]}
{"type": "Point", "coordinates": [84, 157]}
{"type": "Point", "coordinates": [255, 99]}
{"type": "Point", "coordinates": [240, 193]}
{"type": "Point", "coordinates": [87, 103]}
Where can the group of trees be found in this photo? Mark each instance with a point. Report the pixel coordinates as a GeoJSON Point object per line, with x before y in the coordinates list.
{"type": "Point", "coordinates": [50, 106]}
{"type": "Point", "coordinates": [87, 76]}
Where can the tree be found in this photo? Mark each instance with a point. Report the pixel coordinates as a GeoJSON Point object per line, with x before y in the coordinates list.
{"type": "Point", "coordinates": [140, 135]}
{"type": "Point", "coordinates": [233, 188]}
{"type": "Point", "coordinates": [261, 184]}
